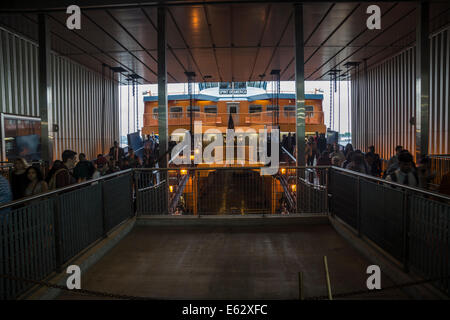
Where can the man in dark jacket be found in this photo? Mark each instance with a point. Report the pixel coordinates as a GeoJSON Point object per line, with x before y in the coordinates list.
{"type": "Point", "coordinates": [116, 154]}
{"type": "Point", "coordinates": [84, 169]}
{"type": "Point", "coordinates": [321, 143]}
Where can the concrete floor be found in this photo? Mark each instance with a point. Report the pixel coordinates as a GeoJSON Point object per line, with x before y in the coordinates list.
{"type": "Point", "coordinates": [230, 263]}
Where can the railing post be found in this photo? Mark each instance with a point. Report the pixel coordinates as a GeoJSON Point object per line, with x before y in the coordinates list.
{"type": "Point", "coordinates": [405, 229]}
{"type": "Point", "coordinates": [58, 236]}
{"type": "Point", "coordinates": [358, 206]}
{"type": "Point", "coordinates": [329, 197]}
{"type": "Point", "coordinates": [105, 231]}
{"type": "Point", "coordinates": [133, 191]}
{"type": "Point", "coordinates": [327, 181]}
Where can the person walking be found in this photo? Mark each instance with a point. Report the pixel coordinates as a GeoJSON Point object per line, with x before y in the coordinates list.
{"type": "Point", "coordinates": [374, 162]}
{"type": "Point", "coordinates": [19, 180]}
{"type": "Point", "coordinates": [116, 154]}
{"type": "Point", "coordinates": [358, 163]}
{"type": "Point", "coordinates": [405, 174]}
{"type": "Point", "coordinates": [36, 183]}
{"type": "Point", "coordinates": [84, 169]}
{"type": "Point", "coordinates": [62, 176]}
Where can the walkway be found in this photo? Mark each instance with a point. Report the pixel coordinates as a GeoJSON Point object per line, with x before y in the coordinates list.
{"type": "Point", "coordinates": [229, 263]}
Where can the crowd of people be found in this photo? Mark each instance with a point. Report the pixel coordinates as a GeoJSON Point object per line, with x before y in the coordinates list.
{"type": "Point", "coordinates": [29, 179]}
{"type": "Point", "coordinates": [400, 168]}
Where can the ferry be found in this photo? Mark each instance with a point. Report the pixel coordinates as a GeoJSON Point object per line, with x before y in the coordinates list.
{"type": "Point", "coordinates": [249, 104]}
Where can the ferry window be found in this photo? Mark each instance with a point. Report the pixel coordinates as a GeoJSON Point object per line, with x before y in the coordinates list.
{"type": "Point", "coordinates": [176, 109]}
{"type": "Point", "coordinates": [210, 109]}
{"type": "Point", "coordinates": [176, 112]}
{"type": "Point", "coordinates": [194, 109]}
{"type": "Point", "coordinates": [289, 111]}
{"type": "Point", "coordinates": [309, 110]}
{"type": "Point", "coordinates": [271, 107]}
{"type": "Point", "coordinates": [253, 108]}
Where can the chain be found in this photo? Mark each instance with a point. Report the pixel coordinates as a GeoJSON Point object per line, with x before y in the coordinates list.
{"type": "Point", "coordinates": [364, 291]}
{"type": "Point", "coordinates": [77, 291]}
{"type": "Point", "coordinates": [127, 297]}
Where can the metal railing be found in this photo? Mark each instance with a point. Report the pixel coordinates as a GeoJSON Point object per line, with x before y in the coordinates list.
{"type": "Point", "coordinates": [39, 234]}
{"type": "Point", "coordinates": [230, 190]}
{"type": "Point", "coordinates": [410, 224]}
{"type": "Point", "coordinates": [441, 165]}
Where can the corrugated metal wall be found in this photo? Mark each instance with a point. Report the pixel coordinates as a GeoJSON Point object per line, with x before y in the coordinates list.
{"type": "Point", "coordinates": [439, 142]}
{"type": "Point", "coordinates": [383, 101]}
{"type": "Point", "coordinates": [76, 96]}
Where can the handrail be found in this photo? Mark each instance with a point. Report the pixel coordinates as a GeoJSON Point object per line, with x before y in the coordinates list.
{"type": "Point", "coordinates": [288, 153]}
{"type": "Point", "coordinates": [90, 182]}
{"type": "Point", "coordinates": [439, 156]}
{"type": "Point", "coordinates": [292, 201]}
{"type": "Point", "coordinates": [173, 158]}
{"type": "Point", "coordinates": [395, 184]}
{"type": "Point", "coordinates": [63, 189]}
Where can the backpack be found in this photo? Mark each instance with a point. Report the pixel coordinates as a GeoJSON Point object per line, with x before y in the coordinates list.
{"type": "Point", "coordinates": [52, 182]}
{"type": "Point", "coordinates": [393, 176]}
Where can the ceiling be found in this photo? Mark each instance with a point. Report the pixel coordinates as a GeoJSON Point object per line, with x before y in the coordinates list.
{"type": "Point", "coordinates": [232, 41]}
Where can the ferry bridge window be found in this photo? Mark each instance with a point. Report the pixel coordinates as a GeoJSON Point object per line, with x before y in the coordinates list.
{"type": "Point", "coordinates": [257, 84]}
{"type": "Point", "coordinates": [254, 108]}
{"type": "Point", "coordinates": [21, 138]}
{"type": "Point", "coordinates": [240, 85]}
{"type": "Point", "coordinates": [225, 85]}
{"type": "Point", "coordinates": [207, 85]}
{"type": "Point", "coordinates": [176, 112]}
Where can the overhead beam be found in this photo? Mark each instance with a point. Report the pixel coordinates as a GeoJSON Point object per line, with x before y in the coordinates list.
{"type": "Point", "coordinates": [61, 5]}
{"type": "Point", "coordinates": [422, 79]}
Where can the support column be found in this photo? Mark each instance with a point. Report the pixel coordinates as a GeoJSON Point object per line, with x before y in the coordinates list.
{"type": "Point", "coordinates": [299, 98]}
{"type": "Point", "coordinates": [299, 85]}
{"type": "Point", "coordinates": [163, 128]}
{"type": "Point", "coordinates": [44, 87]}
{"type": "Point", "coordinates": [422, 79]}
{"type": "Point", "coordinates": [162, 86]}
